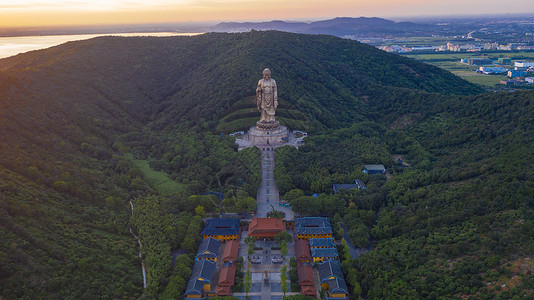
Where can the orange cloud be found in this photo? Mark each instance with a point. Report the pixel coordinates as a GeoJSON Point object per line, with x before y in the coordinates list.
{"type": "Point", "coordinates": [86, 12]}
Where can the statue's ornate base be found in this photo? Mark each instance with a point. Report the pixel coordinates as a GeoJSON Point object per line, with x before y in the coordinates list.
{"type": "Point", "coordinates": [267, 126]}
{"type": "Point", "coordinates": [268, 134]}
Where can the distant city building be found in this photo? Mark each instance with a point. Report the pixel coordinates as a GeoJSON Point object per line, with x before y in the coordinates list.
{"type": "Point", "coordinates": [524, 64]}
{"type": "Point", "coordinates": [453, 47]}
{"type": "Point", "coordinates": [491, 46]}
{"type": "Point", "coordinates": [529, 80]}
{"type": "Point", "coordinates": [395, 48]}
{"type": "Point", "coordinates": [425, 48]}
{"type": "Point", "coordinates": [478, 61]}
{"type": "Point", "coordinates": [511, 82]}
{"type": "Point", "coordinates": [492, 70]}
{"type": "Point", "coordinates": [504, 61]}
{"type": "Point", "coordinates": [516, 73]}
{"type": "Point", "coordinates": [525, 48]}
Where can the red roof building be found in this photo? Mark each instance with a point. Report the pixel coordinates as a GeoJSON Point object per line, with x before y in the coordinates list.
{"type": "Point", "coordinates": [231, 250]}
{"type": "Point", "coordinates": [227, 276]}
{"type": "Point", "coordinates": [308, 290]}
{"type": "Point", "coordinates": [302, 249]}
{"type": "Point", "coordinates": [226, 280]}
{"type": "Point", "coordinates": [305, 274]}
{"type": "Point", "coordinates": [306, 281]}
{"type": "Point", "coordinates": [263, 228]}
{"type": "Point", "coordinates": [223, 291]}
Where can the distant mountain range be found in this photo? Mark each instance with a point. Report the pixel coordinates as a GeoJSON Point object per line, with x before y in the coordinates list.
{"type": "Point", "coordinates": [336, 26]}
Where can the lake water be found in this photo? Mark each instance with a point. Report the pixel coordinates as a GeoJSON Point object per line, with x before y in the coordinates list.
{"type": "Point", "coordinates": [10, 46]}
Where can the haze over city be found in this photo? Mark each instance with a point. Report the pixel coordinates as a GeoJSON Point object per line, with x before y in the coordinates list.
{"type": "Point", "coordinates": [27, 13]}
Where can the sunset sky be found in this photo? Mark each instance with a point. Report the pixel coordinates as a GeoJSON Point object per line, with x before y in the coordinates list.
{"type": "Point", "coordinates": [22, 13]}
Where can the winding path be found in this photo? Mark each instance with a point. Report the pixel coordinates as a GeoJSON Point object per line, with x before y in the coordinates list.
{"type": "Point", "coordinates": [143, 269]}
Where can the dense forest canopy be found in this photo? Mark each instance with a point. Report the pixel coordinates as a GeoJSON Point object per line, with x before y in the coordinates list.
{"type": "Point", "coordinates": [92, 129]}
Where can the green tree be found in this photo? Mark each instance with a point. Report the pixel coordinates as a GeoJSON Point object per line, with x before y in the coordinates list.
{"type": "Point", "coordinates": [248, 280]}
{"type": "Point", "coordinates": [283, 279]}
{"type": "Point", "coordinates": [293, 194]}
{"type": "Point", "coordinates": [250, 240]}
{"type": "Point", "coordinates": [175, 288]}
{"type": "Point", "coordinates": [283, 248]}
{"type": "Point", "coordinates": [345, 249]}
{"type": "Point", "coordinates": [189, 244]}
{"type": "Point", "coordinates": [283, 236]}
{"type": "Point", "coordinates": [200, 211]}
{"type": "Point", "coordinates": [359, 235]}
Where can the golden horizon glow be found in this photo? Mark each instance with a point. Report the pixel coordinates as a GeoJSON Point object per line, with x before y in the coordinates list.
{"type": "Point", "coordinates": [32, 13]}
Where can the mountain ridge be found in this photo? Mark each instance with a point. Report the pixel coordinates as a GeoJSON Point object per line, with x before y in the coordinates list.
{"type": "Point", "coordinates": [340, 26]}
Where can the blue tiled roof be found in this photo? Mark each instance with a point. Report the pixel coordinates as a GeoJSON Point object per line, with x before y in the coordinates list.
{"type": "Point", "coordinates": [330, 243]}
{"type": "Point", "coordinates": [210, 245]}
{"type": "Point", "coordinates": [374, 167]}
{"type": "Point", "coordinates": [361, 184]}
{"type": "Point", "coordinates": [195, 287]}
{"type": "Point", "coordinates": [337, 187]}
{"type": "Point", "coordinates": [324, 252]}
{"type": "Point", "coordinates": [312, 225]}
{"type": "Point", "coordinates": [337, 286]}
{"type": "Point", "coordinates": [313, 230]}
{"type": "Point", "coordinates": [221, 226]}
{"type": "Point", "coordinates": [203, 269]}
{"type": "Point", "coordinates": [312, 222]}
{"type": "Point", "coordinates": [328, 269]}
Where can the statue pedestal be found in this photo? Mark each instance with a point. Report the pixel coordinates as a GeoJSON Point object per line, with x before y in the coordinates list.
{"type": "Point", "coordinates": [270, 135]}
{"type": "Point", "coordinates": [268, 140]}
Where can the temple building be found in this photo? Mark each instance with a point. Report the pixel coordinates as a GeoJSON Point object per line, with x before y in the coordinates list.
{"type": "Point", "coordinates": [302, 251]}
{"type": "Point", "coordinates": [208, 249]}
{"type": "Point", "coordinates": [221, 229]}
{"type": "Point", "coordinates": [231, 250]}
{"type": "Point", "coordinates": [323, 254]}
{"type": "Point", "coordinates": [332, 280]}
{"type": "Point", "coordinates": [306, 282]}
{"type": "Point", "coordinates": [226, 279]}
{"type": "Point", "coordinates": [201, 279]}
{"type": "Point", "coordinates": [313, 227]}
{"type": "Point", "coordinates": [265, 228]}
{"type": "Point", "coordinates": [322, 243]}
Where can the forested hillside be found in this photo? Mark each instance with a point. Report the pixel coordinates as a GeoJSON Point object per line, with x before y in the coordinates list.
{"type": "Point", "coordinates": [456, 223]}
{"type": "Point", "coordinates": [86, 127]}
